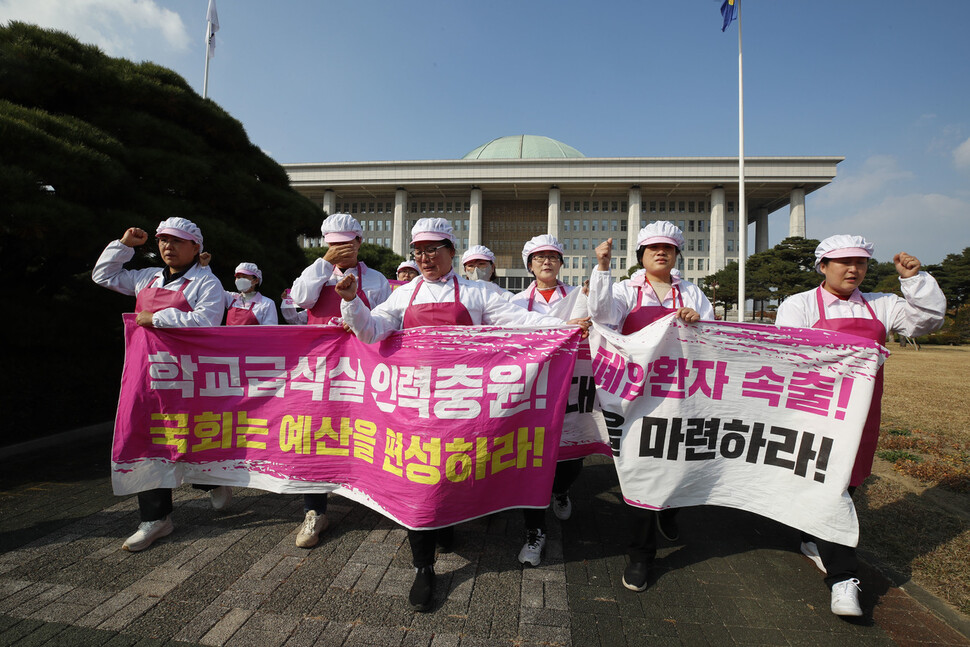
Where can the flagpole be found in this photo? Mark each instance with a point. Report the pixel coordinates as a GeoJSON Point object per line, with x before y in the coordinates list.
{"type": "Point", "coordinates": [205, 76]}
{"type": "Point", "coordinates": [742, 212]}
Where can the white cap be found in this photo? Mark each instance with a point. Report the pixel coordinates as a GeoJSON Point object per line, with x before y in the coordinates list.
{"type": "Point", "coordinates": [250, 269]}
{"type": "Point", "coordinates": [341, 228]}
{"type": "Point", "coordinates": [408, 265]}
{"type": "Point", "coordinates": [843, 246]}
{"type": "Point", "coordinates": [478, 253]}
{"type": "Point", "coordinates": [432, 229]}
{"type": "Point", "coordinates": [659, 233]}
{"type": "Point", "coordinates": [543, 243]}
{"type": "Point", "coordinates": [180, 228]}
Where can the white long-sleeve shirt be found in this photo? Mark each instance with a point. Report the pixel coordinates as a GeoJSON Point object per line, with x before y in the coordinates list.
{"type": "Point", "coordinates": [555, 306]}
{"type": "Point", "coordinates": [918, 312]}
{"type": "Point", "coordinates": [264, 308]}
{"type": "Point", "coordinates": [610, 303]}
{"type": "Point", "coordinates": [204, 293]}
{"type": "Point", "coordinates": [485, 307]}
{"type": "Point", "coordinates": [306, 288]}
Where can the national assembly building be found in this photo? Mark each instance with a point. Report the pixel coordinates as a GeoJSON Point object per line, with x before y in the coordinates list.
{"type": "Point", "coordinates": [510, 189]}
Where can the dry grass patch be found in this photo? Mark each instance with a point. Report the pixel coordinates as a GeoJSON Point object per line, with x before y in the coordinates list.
{"type": "Point", "coordinates": [915, 511]}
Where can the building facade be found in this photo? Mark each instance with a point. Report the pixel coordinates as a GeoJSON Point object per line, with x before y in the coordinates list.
{"type": "Point", "coordinates": [507, 191]}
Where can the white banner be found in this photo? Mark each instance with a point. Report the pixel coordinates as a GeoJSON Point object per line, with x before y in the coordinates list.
{"type": "Point", "coordinates": [740, 415]}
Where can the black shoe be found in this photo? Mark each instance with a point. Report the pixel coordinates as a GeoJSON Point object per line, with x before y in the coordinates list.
{"type": "Point", "coordinates": [422, 591]}
{"type": "Point", "coordinates": [667, 524]}
{"type": "Point", "coordinates": [635, 576]}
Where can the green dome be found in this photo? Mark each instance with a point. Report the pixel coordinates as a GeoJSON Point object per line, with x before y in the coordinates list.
{"type": "Point", "coordinates": [522, 147]}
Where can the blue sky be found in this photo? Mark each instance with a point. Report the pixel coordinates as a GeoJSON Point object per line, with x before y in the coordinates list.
{"type": "Point", "coordinates": [884, 83]}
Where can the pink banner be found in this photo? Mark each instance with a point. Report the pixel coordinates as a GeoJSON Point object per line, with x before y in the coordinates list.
{"type": "Point", "coordinates": [431, 427]}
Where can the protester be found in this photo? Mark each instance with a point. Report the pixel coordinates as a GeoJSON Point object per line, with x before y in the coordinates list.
{"type": "Point", "coordinates": [437, 298]}
{"type": "Point", "coordinates": [292, 313]}
{"type": "Point", "coordinates": [182, 294]}
{"type": "Point", "coordinates": [478, 263]}
{"type": "Point", "coordinates": [651, 293]}
{"type": "Point", "coordinates": [838, 304]}
{"type": "Point", "coordinates": [543, 258]}
{"type": "Point", "coordinates": [248, 307]}
{"type": "Point", "coordinates": [407, 271]}
{"type": "Point", "coordinates": [314, 290]}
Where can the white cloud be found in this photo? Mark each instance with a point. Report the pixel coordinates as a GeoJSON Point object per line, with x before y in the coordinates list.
{"type": "Point", "coordinates": [876, 173]}
{"type": "Point", "coordinates": [927, 225]}
{"type": "Point", "coordinates": [130, 28]}
{"type": "Point", "coordinates": [961, 155]}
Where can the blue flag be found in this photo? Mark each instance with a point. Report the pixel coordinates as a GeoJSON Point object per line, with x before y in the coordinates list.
{"type": "Point", "coordinates": [729, 11]}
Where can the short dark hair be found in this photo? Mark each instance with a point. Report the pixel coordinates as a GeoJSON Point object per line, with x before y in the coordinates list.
{"type": "Point", "coordinates": [643, 248]}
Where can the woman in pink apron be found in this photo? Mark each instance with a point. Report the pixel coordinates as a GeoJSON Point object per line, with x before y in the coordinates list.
{"type": "Point", "coordinates": [314, 290]}
{"type": "Point", "coordinates": [838, 304]}
{"type": "Point", "coordinates": [543, 258]}
{"type": "Point", "coordinates": [182, 294]}
{"type": "Point", "coordinates": [650, 294]}
{"type": "Point", "coordinates": [439, 297]}
{"type": "Point", "coordinates": [248, 307]}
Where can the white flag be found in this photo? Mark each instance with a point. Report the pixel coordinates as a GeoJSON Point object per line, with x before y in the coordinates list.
{"type": "Point", "coordinates": [212, 18]}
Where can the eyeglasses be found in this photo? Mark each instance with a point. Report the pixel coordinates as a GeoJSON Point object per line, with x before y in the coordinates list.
{"type": "Point", "coordinates": [542, 258]}
{"type": "Point", "coordinates": [427, 252]}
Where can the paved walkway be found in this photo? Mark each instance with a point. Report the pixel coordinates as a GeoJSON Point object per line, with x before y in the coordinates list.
{"type": "Point", "coordinates": [235, 578]}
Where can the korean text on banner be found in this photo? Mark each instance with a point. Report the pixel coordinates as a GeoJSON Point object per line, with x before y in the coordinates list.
{"type": "Point", "coordinates": [752, 417]}
{"type": "Point", "coordinates": [418, 427]}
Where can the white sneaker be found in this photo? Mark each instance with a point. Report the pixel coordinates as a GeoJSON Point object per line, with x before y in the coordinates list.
{"type": "Point", "coordinates": [845, 598]}
{"type": "Point", "coordinates": [810, 550]}
{"type": "Point", "coordinates": [531, 553]}
{"type": "Point", "coordinates": [148, 532]}
{"type": "Point", "coordinates": [562, 507]}
{"type": "Point", "coordinates": [220, 497]}
{"type": "Point", "coordinates": [313, 525]}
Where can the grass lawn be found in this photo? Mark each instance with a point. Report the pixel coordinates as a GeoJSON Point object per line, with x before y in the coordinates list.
{"type": "Point", "coordinates": [914, 510]}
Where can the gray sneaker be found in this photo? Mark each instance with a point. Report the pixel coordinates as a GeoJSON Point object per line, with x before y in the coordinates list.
{"type": "Point", "coordinates": [220, 497]}
{"type": "Point", "coordinates": [562, 507]}
{"type": "Point", "coordinates": [148, 532]}
{"type": "Point", "coordinates": [313, 525]}
{"type": "Point", "coordinates": [531, 553]}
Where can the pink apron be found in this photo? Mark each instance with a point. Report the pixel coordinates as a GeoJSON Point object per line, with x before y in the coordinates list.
{"type": "Point", "coordinates": [241, 316]}
{"type": "Point", "coordinates": [642, 316]}
{"type": "Point", "coordinates": [436, 314]}
{"type": "Point", "coordinates": [535, 288]}
{"type": "Point", "coordinates": [328, 303]}
{"type": "Point", "coordinates": [155, 299]}
{"type": "Point", "coordinates": [868, 329]}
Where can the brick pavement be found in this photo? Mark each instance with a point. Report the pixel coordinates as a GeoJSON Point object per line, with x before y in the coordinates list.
{"type": "Point", "coordinates": [235, 578]}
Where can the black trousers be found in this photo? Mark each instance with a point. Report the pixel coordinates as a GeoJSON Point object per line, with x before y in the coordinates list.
{"type": "Point", "coordinates": [643, 545]}
{"type": "Point", "coordinates": [841, 562]}
{"type": "Point", "coordinates": [316, 502]}
{"type": "Point", "coordinates": [157, 504]}
{"type": "Point", "coordinates": [424, 542]}
{"type": "Point", "coordinates": [566, 474]}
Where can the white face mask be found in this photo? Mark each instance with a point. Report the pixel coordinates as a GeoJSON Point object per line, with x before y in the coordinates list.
{"type": "Point", "coordinates": [243, 285]}
{"type": "Point", "coordinates": [479, 273]}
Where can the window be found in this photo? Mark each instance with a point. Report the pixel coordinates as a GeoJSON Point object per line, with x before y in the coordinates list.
{"type": "Point", "coordinates": [700, 245]}
{"type": "Point", "coordinates": [623, 225]}
{"type": "Point", "coordinates": [575, 243]}
{"type": "Point", "coordinates": [387, 225]}
{"type": "Point", "coordinates": [414, 207]}
{"type": "Point", "coordinates": [653, 206]}
{"type": "Point", "coordinates": [585, 225]}
{"type": "Point", "coordinates": [565, 225]}
{"type": "Point", "coordinates": [353, 208]}
{"type": "Point", "coordinates": [623, 244]}
{"type": "Point", "coordinates": [623, 207]}
{"type": "Point", "coordinates": [672, 207]}
{"type": "Point", "coordinates": [585, 243]}
{"type": "Point", "coordinates": [576, 207]}
{"type": "Point", "coordinates": [575, 261]}
{"type": "Point", "coordinates": [730, 244]}
{"type": "Point", "coordinates": [700, 263]}
{"type": "Point", "coordinates": [596, 205]}
{"type": "Point", "coordinates": [731, 207]}
{"type": "Point", "coordinates": [615, 205]}
{"type": "Point", "coordinates": [690, 263]}
{"type": "Point", "coordinates": [623, 263]}
{"type": "Point", "coordinates": [683, 206]}
{"type": "Point", "coordinates": [613, 263]}
{"type": "Point", "coordinates": [690, 225]}
{"type": "Point", "coordinates": [380, 225]}
{"type": "Point", "coordinates": [730, 226]}
{"type": "Point", "coordinates": [681, 224]}
{"type": "Point", "coordinates": [690, 206]}
{"type": "Point", "coordinates": [700, 225]}
{"type": "Point", "coordinates": [585, 205]}
{"type": "Point", "coordinates": [424, 207]}
{"type": "Point", "coordinates": [663, 206]}
{"type": "Point", "coordinates": [701, 207]}
{"type": "Point", "coordinates": [565, 206]}
{"type": "Point", "coordinates": [585, 262]}
{"type": "Point", "coordinates": [592, 225]}
{"type": "Point", "coordinates": [690, 244]}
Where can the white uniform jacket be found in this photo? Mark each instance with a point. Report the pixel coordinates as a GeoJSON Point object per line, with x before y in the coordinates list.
{"type": "Point", "coordinates": [610, 303]}
{"type": "Point", "coordinates": [306, 288]}
{"type": "Point", "coordinates": [204, 292]}
{"type": "Point", "coordinates": [484, 306]}
{"type": "Point", "coordinates": [540, 305]}
{"type": "Point", "coordinates": [264, 308]}
{"type": "Point", "coordinates": [918, 312]}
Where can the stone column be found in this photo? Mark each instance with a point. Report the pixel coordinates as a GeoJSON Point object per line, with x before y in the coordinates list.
{"type": "Point", "coordinates": [329, 202]}
{"type": "Point", "coordinates": [475, 218]}
{"type": "Point", "coordinates": [796, 213]}
{"type": "Point", "coordinates": [633, 215]}
{"type": "Point", "coordinates": [552, 225]}
{"type": "Point", "coordinates": [761, 231]}
{"type": "Point", "coordinates": [399, 235]}
{"type": "Point", "coordinates": [718, 230]}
